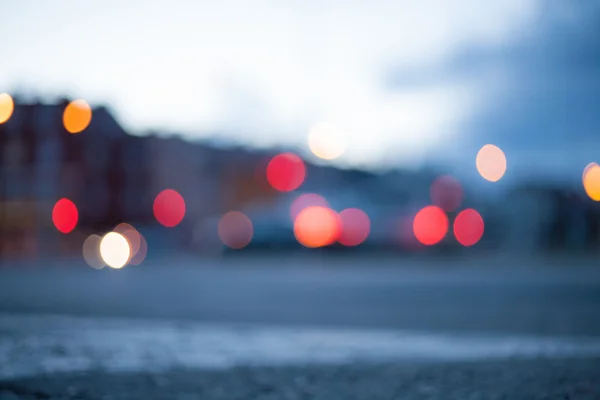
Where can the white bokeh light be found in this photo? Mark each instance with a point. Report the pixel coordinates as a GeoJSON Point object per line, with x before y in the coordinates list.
{"type": "Point", "coordinates": [327, 141]}
{"type": "Point", "coordinates": [115, 250]}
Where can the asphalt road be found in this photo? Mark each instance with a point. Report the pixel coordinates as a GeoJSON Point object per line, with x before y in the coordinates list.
{"type": "Point", "coordinates": [515, 380]}
{"type": "Point", "coordinates": [449, 296]}
{"type": "Point", "coordinates": [321, 328]}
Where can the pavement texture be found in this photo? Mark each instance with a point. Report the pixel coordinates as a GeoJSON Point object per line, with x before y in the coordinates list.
{"type": "Point", "coordinates": [541, 297]}
{"type": "Point", "coordinates": [307, 329]}
{"type": "Point", "coordinates": [508, 379]}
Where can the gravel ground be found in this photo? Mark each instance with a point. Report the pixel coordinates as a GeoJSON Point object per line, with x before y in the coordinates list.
{"type": "Point", "coordinates": [509, 379]}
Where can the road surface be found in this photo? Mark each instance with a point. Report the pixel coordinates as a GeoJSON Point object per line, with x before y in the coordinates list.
{"type": "Point", "coordinates": [435, 296]}
{"type": "Point", "coordinates": [301, 328]}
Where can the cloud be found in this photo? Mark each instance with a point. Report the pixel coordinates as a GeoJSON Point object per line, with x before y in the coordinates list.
{"type": "Point", "coordinates": [541, 95]}
{"type": "Point", "coordinates": [293, 63]}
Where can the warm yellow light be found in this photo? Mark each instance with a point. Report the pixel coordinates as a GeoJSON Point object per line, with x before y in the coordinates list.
{"type": "Point", "coordinates": [326, 141]}
{"type": "Point", "coordinates": [591, 181]}
{"type": "Point", "coordinates": [587, 168]}
{"type": "Point", "coordinates": [491, 162]}
{"type": "Point", "coordinates": [115, 250]}
{"type": "Point", "coordinates": [77, 116]}
{"type": "Point", "coordinates": [7, 107]}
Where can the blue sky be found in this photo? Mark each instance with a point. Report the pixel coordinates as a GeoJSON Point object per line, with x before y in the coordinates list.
{"type": "Point", "coordinates": [263, 72]}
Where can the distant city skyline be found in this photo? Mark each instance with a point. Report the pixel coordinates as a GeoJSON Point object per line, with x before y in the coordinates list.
{"type": "Point", "coordinates": [265, 73]}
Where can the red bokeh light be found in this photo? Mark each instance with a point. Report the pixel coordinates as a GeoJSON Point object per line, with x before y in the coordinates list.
{"type": "Point", "coordinates": [430, 225]}
{"type": "Point", "coordinates": [235, 230]}
{"type": "Point", "coordinates": [446, 193]}
{"type": "Point", "coordinates": [317, 227]}
{"type": "Point", "coordinates": [169, 208]}
{"type": "Point", "coordinates": [355, 227]}
{"type": "Point", "coordinates": [304, 201]}
{"type": "Point", "coordinates": [468, 227]}
{"type": "Point", "coordinates": [286, 172]}
{"type": "Point", "coordinates": [65, 215]}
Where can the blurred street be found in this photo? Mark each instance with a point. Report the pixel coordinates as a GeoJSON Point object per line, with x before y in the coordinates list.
{"type": "Point", "coordinates": [300, 200]}
{"type": "Point", "coordinates": [480, 295]}
{"type": "Point", "coordinates": [310, 317]}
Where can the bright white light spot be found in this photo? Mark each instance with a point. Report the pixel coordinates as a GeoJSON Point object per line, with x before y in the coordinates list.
{"type": "Point", "coordinates": [115, 250]}
{"type": "Point", "coordinates": [326, 141]}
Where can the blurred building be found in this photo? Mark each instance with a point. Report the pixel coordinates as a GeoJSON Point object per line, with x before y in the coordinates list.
{"type": "Point", "coordinates": [114, 177]}
{"type": "Point", "coordinates": [544, 217]}
{"type": "Point", "coordinates": [111, 176]}
{"type": "Point", "coordinates": [41, 163]}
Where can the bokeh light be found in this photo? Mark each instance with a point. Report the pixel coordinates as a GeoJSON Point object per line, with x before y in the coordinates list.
{"type": "Point", "coordinates": [446, 193]}
{"type": "Point", "coordinates": [235, 230]}
{"type": "Point", "coordinates": [326, 141]}
{"type": "Point", "coordinates": [286, 172]}
{"type": "Point", "coordinates": [91, 252]}
{"type": "Point", "coordinates": [306, 200]}
{"type": "Point", "coordinates": [317, 227]}
{"type": "Point", "coordinates": [586, 169]}
{"type": "Point", "coordinates": [430, 225]}
{"type": "Point", "coordinates": [169, 208]}
{"type": "Point", "coordinates": [132, 236]}
{"type": "Point", "coordinates": [7, 106]}
{"type": "Point", "coordinates": [141, 253]}
{"type": "Point", "coordinates": [77, 116]}
{"type": "Point", "coordinates": [115, 250]}
{"type": "Point", "coordinates": [468, 227]}
{"type": "Point", "coordinates": [355, 227]}
{"type": "Point", "coordinates": [491, 162]}
{"type": "Point", "coordinates": [591, 181]}
{"type": "Point", "coordinates": [65, 215]}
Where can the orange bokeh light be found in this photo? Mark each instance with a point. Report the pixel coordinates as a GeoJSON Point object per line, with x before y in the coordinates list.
{"type": "Point", "coordinates": [355, 227]}
{"type": "Point", "coordinates": [587, 168]}
{"type": "Point", "coordinates": [65, 215]}
{"type": "Point", "coordinates": [430, 225]}
{"type": "Point", "coordinates": [491, 163]}
{"type": "Point", "coordinates": [169, 208]}
{"type": "Point", "coordinates": [235, 230]}
{"type": "Point", "coordinates": [77, 116]}
{"type": "Point", "coordinates": [286, 172]}
{"type": "Point", "coordinates": [446, 193]}
{"type": "Point", "coordinates": [306, 200]}
{"type": "Point", "coordinates": [468, 227]}
{"type": "Point", "coordinates": [7, 106]}
{"type": "Point", "coordinates": [317, 226]}
{"type": "Point", "coordinates": [591, 181]}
